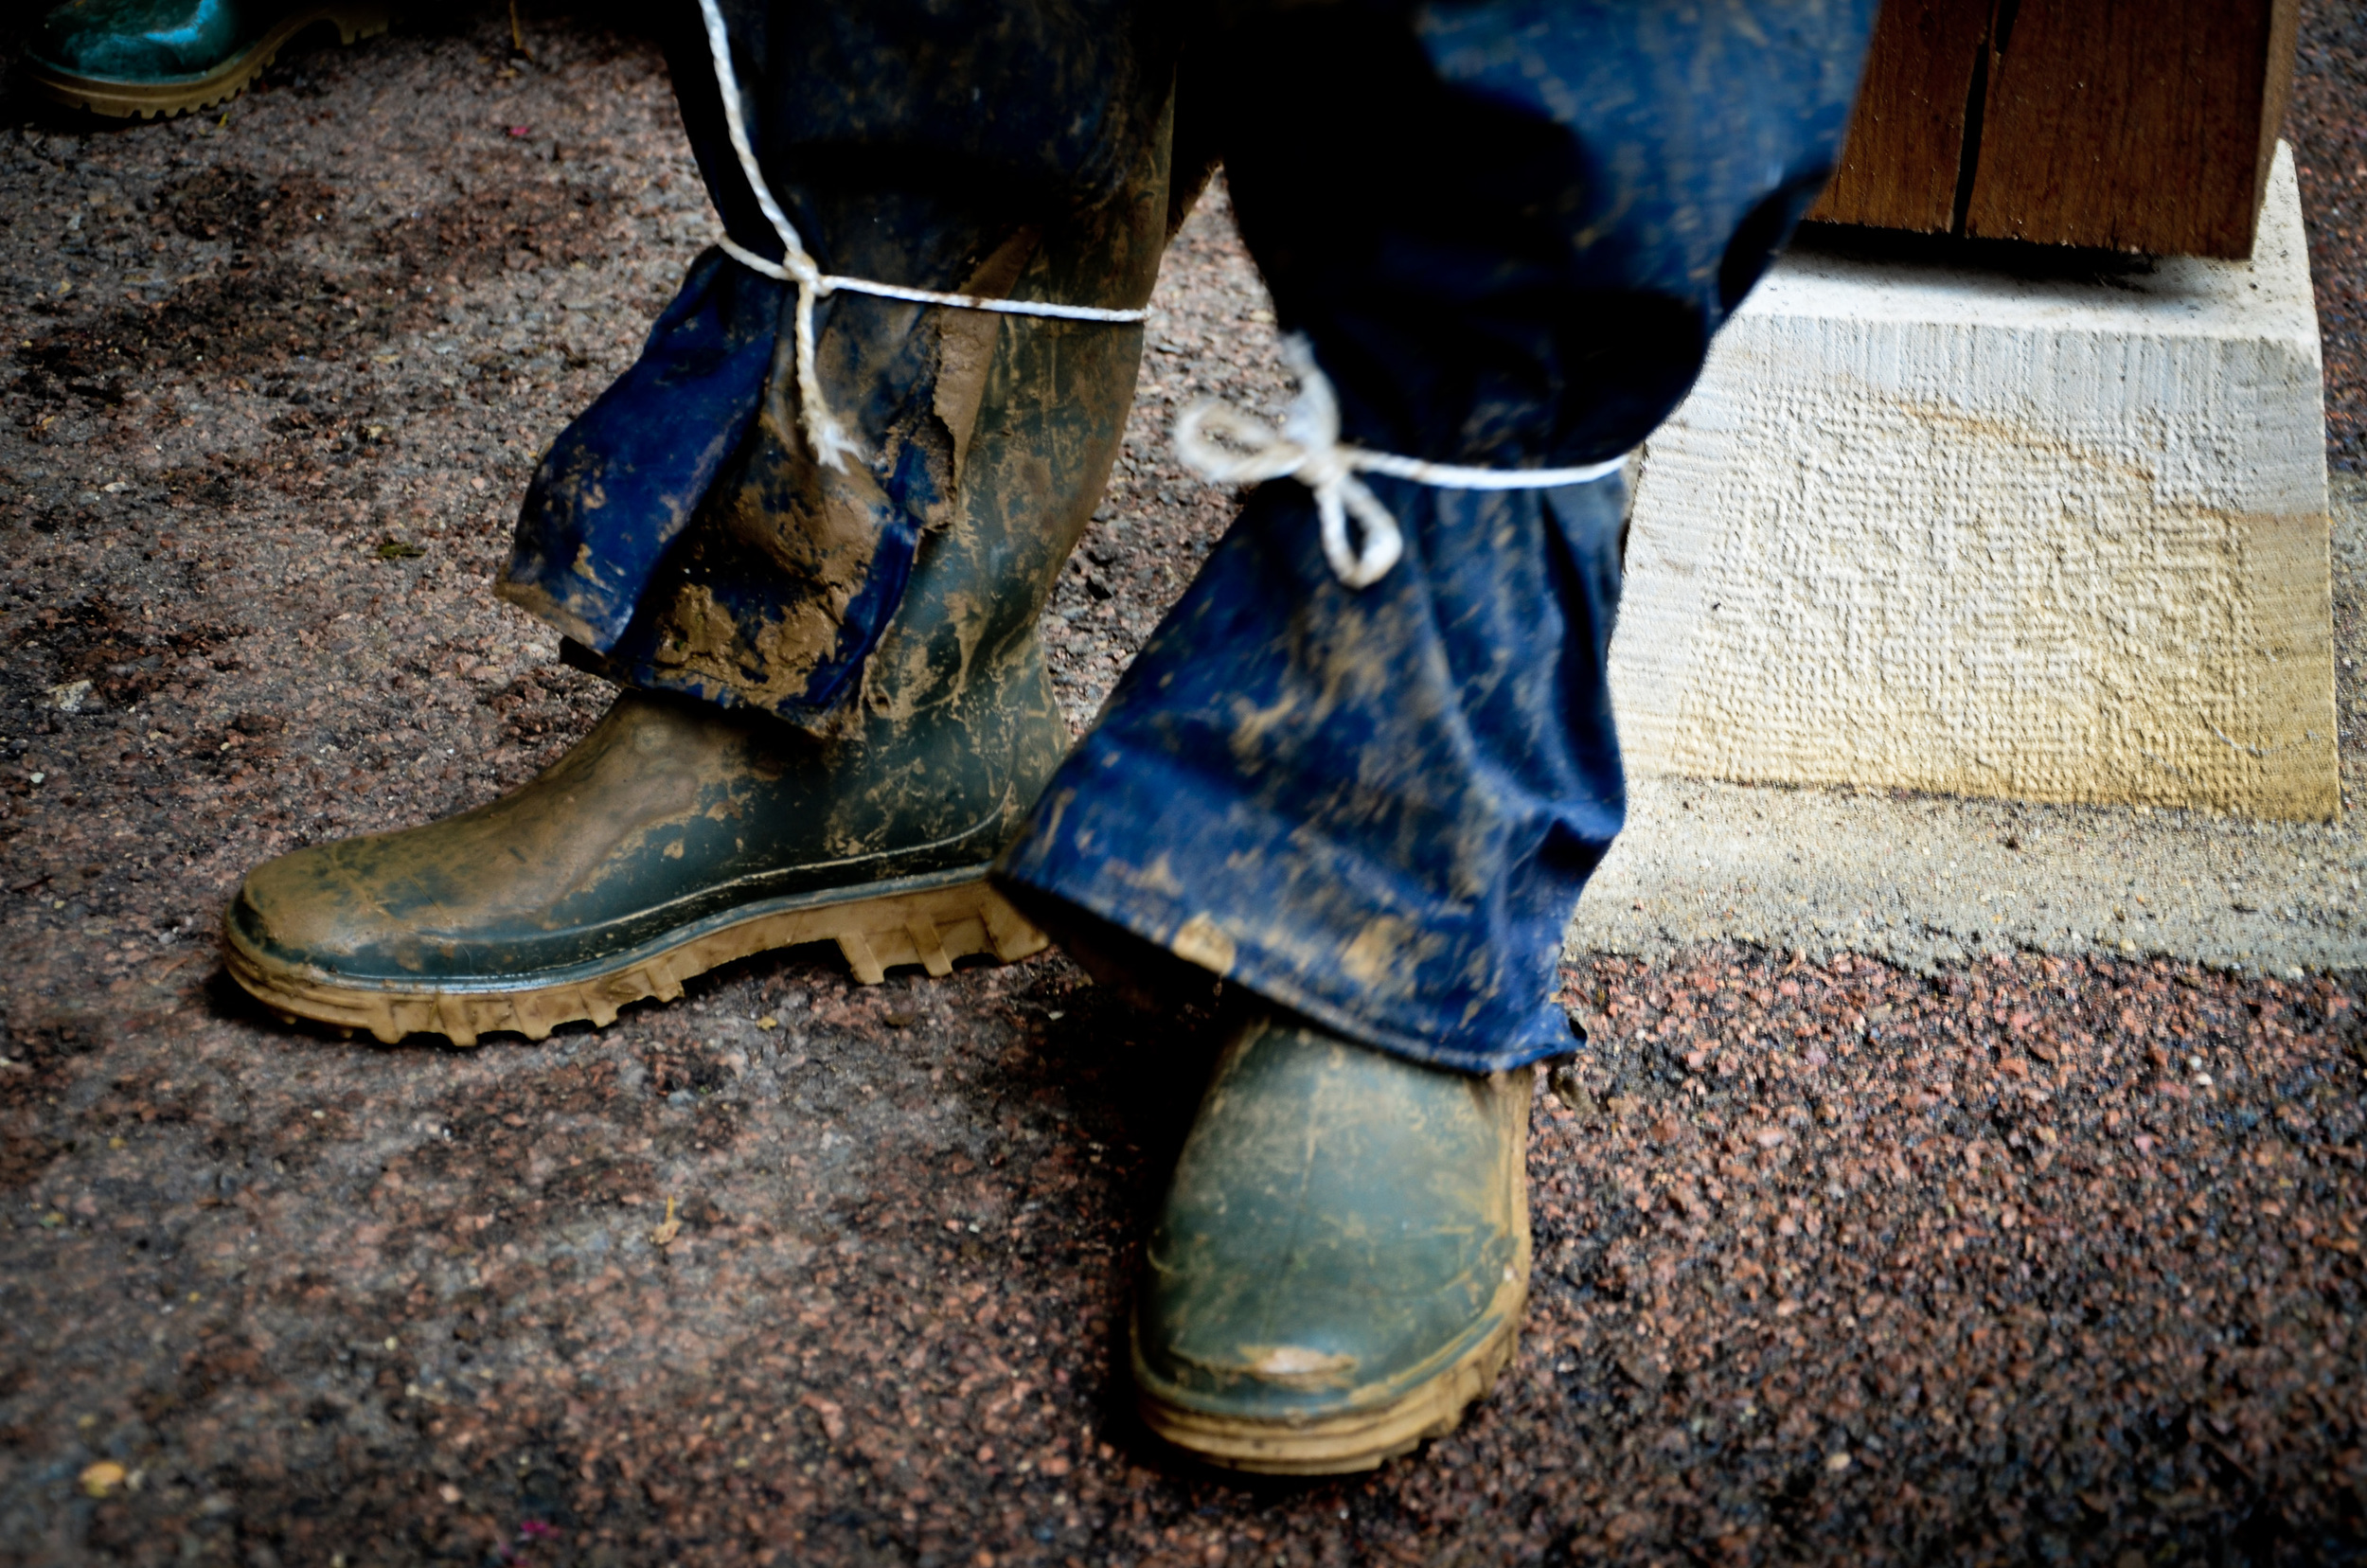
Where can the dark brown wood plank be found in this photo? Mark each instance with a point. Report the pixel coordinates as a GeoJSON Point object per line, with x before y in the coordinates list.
{"type": "Point", "coordinates": [1898, 169]}
{"type": "Point", "coordinates": [2283, 38]}
{"type": "Point", "coordinates": [2141, 125]}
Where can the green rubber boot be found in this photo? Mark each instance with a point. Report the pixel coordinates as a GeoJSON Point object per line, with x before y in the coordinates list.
{"type": "Point", "coordinates": [672, 839]}
{"type": "Point", "coordinates": [163, 56]}
{"type": "Point", "coordinates": [1343, 1260]}
{"type": "Point", "coordinates": [679, 835]}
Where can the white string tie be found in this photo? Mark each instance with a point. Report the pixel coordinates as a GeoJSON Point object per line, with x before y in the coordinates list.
{"type": "Point", "coordinates": [831, 443]}
{"type": "Point", "coordinates": [1308, 449]}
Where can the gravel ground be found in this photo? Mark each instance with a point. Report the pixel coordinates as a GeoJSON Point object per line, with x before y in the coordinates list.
{"type": "Point", "coordinates": [2017, 1258]}
{"type": "Point", "coordinates": [2329, 130]}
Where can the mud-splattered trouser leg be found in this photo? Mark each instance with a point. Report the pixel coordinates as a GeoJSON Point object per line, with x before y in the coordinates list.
{"type": "Point", "coordinates": [681, 533]}
{"type": "Point", "coordinates": [1509, 232]}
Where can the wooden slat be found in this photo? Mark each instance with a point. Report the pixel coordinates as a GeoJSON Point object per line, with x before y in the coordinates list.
{"type": "Point", "coordinates": [1898, 169]}
{"type": "Point", "coordinates": [2142, 125]}
{"type": "Point", "coordinates": [2285, 26]}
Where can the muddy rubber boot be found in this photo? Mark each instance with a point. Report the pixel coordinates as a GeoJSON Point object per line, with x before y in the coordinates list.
{"type": "Point", "coordinates": [838, 711]}
{"type": "Point", "coordinates": [680, 835]}
{"type": "Point", "coordinates": [1343, 1258]}
{"type": "Point", "coordinates": [162, 57]}
{"type": "Point", "coordinates": [671, 839]}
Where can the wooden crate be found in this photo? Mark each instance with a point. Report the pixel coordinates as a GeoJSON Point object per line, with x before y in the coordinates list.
{"type": "Point", "coordinates": [2133, 125]}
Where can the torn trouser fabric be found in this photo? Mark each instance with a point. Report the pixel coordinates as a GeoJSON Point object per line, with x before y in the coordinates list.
{"type": "Point", "coordinates": [679, 529]}
{"type": "Point", "coordinates": [1509, 231]}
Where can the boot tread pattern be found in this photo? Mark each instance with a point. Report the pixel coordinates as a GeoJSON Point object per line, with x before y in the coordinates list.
{"type": "Point", "coordinates": [930, 927]}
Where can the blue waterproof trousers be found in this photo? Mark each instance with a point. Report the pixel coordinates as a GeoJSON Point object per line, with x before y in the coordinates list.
{"type": "Point", "coordinates": [1508, 229]}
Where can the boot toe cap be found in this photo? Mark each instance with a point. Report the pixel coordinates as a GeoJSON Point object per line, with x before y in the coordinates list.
{"type": "Point", "coordinates": [302, 910]}
{"type": "Point", "coordinates": [1240, 1341]}
{"type": "Point", "coordinates": [1344, 1230]}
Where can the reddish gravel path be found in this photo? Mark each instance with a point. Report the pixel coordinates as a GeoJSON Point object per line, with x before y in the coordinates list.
{"type": "Point", "coordinates": [2329, 130]}
{"type": "Point", "coordinates": [2039, 1262]}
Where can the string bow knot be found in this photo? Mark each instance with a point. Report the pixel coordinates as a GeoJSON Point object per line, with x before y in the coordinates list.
{"type": "Point", "coordinates": [1308, 447]}
{"type": "Point", "coordinates": [831, 444]}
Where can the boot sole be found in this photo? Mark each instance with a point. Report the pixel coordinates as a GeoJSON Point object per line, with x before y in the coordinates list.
{"type": "Point", "coordinates": [928, 920]}
{"type": "Point", "coordinates": [1338, 1445]}
{"type": "Point", "coordinates": [119, 98]}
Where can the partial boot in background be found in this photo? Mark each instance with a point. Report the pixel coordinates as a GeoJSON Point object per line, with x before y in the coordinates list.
{"type": "Point", "coordinates": [164, 56]}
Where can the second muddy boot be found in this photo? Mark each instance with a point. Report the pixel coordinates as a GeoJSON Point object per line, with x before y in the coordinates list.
{"type": "Point", "coordinates": [837, 710]}
{"type": "Point", "coordinates": [696, 825]}
{"type": "Point", "coordinates": [1343, 1258]}
{"type": "Point", "coordinates": [693, 826]}
{"type": "Point", "coordinates": [672, 839]}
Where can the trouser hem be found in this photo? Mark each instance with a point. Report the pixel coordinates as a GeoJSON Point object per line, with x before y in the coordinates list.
{"type": "Point", "coordinates": [1261, 974]}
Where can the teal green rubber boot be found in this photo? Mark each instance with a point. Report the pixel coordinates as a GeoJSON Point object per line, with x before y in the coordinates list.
{"type": "Point", "coordinates": [164, 56]}
{"type": "Point", "coordinates": [1343, 1258]}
